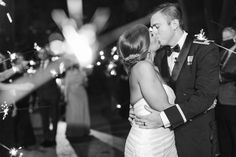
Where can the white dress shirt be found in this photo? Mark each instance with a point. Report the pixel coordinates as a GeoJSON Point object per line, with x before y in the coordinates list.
{"type": "Point", "coordinates": [171, 63]}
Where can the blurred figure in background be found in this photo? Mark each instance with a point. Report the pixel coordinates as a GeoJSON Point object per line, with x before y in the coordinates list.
{"type": "Point", "coordinates": [24, 134]}
{"type": "Point", "coordinates": [48, 96]}
{"type": "Point", "coordinates": [77, 110]}
{"type": "Point", "coordinates": [10, 89]}
{"type": "Point", "coordinates": [226, 107]}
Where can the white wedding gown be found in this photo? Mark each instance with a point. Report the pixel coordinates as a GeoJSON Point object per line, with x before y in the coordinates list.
{"type": "Point", "coordinates": [150, 142]}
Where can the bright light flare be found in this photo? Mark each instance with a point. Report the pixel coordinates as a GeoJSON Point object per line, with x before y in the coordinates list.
{"type": "Point", "coordinates": [57, 47]}
{"type": "Point", "coordinates": [98, 63]}
{"type": "Point", "coordinates": [36, 47]}
{"type": "Point", "coordinates": [9, 17]}
{"type": "Point", "coordinates": [54, 73]}
{"type": "Point", "coordinates": [111, 65]}
{"type": "Point", "coordinates": [31, 62]}
{"type": "Point", "coordinates": [31, 70]}
{"type": "Point", "coordinates": [113, 72]}
{"type": "Point", "coordinates": [101, 53]}
{"type": "Point", "coordinates": [81, 43]}
{"type": "Point", "coordinates": [116, 57]}
{"type": "Point", "coordinates": [2, 3]}
{"type": "Point", "coordinates": [13, 56]}
{"type": "Point", "coordinates": [5, 109]}
{"type": "Point", "coordinates": [118, 106]}
{"type": "Point", "coordinates": [102, 57]}
{"type": "Point", "coordinates": [113, 50]}
{"type": "Point", "coordinates": [15, 152]}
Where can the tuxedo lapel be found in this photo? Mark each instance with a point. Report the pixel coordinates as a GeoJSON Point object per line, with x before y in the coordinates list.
{"type": "Point", "coordinates": [181, 59]}
{"type": "Point", "coordinates": [160, 60]}
{"type": "Point", "coordinates": [165, 72]}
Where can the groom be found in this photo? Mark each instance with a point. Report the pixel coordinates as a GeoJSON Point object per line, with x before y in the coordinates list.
{"type": "Point", "coordinates": [192, 70]}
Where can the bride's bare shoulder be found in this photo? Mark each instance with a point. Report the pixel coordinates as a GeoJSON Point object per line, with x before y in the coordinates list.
{"type": "Point", "coordinates": [142, 68]}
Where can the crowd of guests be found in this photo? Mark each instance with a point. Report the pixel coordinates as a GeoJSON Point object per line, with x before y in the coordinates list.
{"type": "Point", "coordinates": [46, 100]}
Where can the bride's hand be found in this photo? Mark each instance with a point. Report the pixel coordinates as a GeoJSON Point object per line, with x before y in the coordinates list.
{"type": "Point", "coordinates": [151, 121]}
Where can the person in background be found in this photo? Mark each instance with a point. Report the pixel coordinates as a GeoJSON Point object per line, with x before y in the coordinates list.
{"type": "Point", "coordinates": [24, 134]}
{"type": "Point", "coordinates": [48, 97]}
{"type": "Point", "coordinates": [77, 110]}
{"type": "Point", "coordinates": [226, 107]}
{"type": "Point", "coordinates": [7, 125]}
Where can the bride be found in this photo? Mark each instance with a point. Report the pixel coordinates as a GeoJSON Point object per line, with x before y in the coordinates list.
{"type": "Point", "coordinates": [147, 88]}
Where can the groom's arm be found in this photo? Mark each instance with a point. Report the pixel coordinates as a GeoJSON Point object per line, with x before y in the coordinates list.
{"type": "Point", "coordinates": [206, 89]}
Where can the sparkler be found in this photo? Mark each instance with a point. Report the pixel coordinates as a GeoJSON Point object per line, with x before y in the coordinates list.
{"type": "Point", "coordinates": [9, 17]}
{"type": "Point", "coordinates": [13, 151]}
{"type": "Point", "coordinates": [5, 109]}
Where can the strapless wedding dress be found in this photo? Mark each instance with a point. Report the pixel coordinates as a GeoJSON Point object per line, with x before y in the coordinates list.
{"type": "Point", "coordinates": [150, 142]}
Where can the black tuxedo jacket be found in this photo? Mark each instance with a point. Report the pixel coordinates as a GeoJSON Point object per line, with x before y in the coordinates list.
{"type": "Point", "coordinates": [195, 80]}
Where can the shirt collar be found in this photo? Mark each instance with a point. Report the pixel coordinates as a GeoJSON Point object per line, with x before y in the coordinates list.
{"type": "Point", "coordinates": [182, 40]}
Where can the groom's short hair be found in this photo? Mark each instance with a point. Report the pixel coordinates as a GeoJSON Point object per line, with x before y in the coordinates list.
{"type": "Point", "coordinates": [171, 11]}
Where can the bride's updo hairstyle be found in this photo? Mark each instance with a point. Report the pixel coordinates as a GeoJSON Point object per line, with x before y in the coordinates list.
{"type": "Point", "coordinates": [133, 45]}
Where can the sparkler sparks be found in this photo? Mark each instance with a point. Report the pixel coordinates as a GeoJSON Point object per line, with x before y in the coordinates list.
{"type": "Point", "coordinates": [13, 151]}
{"type": "Point", "coordinates": [36, 47]}
{"type": "Point", "coordinates": [4, 109]}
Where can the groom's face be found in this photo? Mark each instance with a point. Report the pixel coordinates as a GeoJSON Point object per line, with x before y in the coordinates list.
{"type": "Point", "coordinates": [162, 28]}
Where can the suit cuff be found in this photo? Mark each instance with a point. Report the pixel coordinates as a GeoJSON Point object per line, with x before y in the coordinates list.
{"type": "Point", "coordinates": [181, 113]}
{"type": "Point", "coordinates": [165, 120]}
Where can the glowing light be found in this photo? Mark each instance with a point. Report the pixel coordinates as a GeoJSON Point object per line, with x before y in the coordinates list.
{"type": "Point", "coordinates": [79, 44]}
{"type": "Point", "coordinates": [98, 63]}
{"type": "Point", "coordinates": [113, 72]}
{"type": "Point", "coordinates": [9, 17]}
{"type": "Point", "coordinates": [2, 3]}
{"type": "Point", "coordinates": [15, 152]}
{"type": "Point", "coordinates": [31, 70]}
{"type": "Point", "coordinates": [113, 50]}
{"type": "Point", "coordinates": [36, 47]}
{"type": "Point", "coordinates": [110, 66]}
{"type": "Point", "coordinates": [90, 66]}
{"type": "Point", "coordinates": [55, 58]}
{"type": "Point", "coordinates": [115, 57]}
{"type": "Point", "coordinates": [5, 109]}
{"type": "Point", "coordinates": [50, 126]}
{"type": "Point", "coordinates": [62, 67]}
{"type": "Point", "coordinates": [54, 73]}
{"type": "Point", "coordinates": [31, 62]}
{"type": "Point", "coordinates": [101, 53]}
{"type": "Point", "coordinates": [13, 56]}
{"type": "Point", "coordinates": [57, 47]}
{"type": "Point", "coordinates": [59, 82]}
{"type": "Point", "coordinates": [102, 57]}
{"type": "Point", "coordinates": [118, 106]}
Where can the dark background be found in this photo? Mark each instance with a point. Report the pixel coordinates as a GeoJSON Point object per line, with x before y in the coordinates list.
{"type": "Point", "coordinates": [32, 23]}
{"type": "Point", "coordinates": [32, 18]}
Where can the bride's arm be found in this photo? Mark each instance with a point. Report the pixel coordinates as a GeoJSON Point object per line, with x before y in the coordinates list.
{"type": "Point", "coordinates": [151, 86]}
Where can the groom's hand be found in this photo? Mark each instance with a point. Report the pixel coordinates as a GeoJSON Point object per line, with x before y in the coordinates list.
{"type": "Point", "coordinates": [151, 121]}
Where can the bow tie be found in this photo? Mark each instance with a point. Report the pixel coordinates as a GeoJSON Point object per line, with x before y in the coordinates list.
{"type": "Point", "coordinates": [174, 49]}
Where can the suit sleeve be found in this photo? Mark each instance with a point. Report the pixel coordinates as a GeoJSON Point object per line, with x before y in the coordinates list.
{"type": "Point", "coordinates": [206, 88]}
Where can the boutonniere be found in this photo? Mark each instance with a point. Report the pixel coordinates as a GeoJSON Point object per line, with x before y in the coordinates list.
{"type": "Point", "coordinates": [201, 38]}
{"type": "Point", "coordinates": [189, 60]}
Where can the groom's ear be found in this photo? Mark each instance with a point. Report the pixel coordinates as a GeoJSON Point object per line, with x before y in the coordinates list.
{"type": "Point", "coordinates": [175, 24]}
